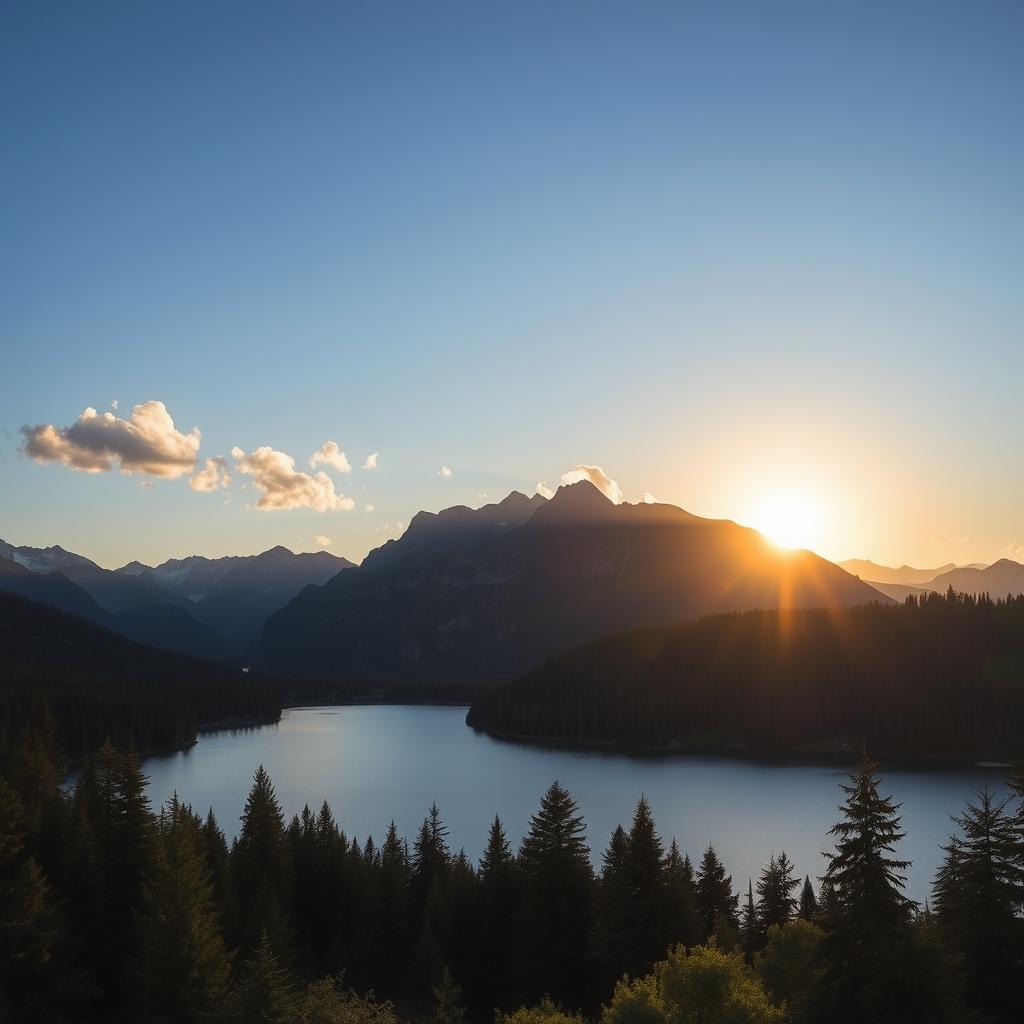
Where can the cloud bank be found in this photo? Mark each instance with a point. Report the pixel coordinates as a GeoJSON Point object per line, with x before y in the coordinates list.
{"type": "Point", "coordinates": [146, 442]}
{"type": "Point", "coordinates": [282, 487]}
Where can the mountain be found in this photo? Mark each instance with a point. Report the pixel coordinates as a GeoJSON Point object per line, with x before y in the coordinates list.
{"type": "Point", "coordinates": [192, 577]}
{"type": "Point", "coordinates": [999, 579]}
{"type": "Point", "coordinates": [936, 678]}
{"type": "Point", "coordinates": [51, 588]}
{"type": "Point", "coordinates": [492, 592]}
{"type": "Point", "coordinates": [239, 600]}
{"type": "Point", "coordinates": [899, 591]}
{"type": "Point", "coordinates": [99, 684]}
{"type": "Point", "coordinates": [905, 575]}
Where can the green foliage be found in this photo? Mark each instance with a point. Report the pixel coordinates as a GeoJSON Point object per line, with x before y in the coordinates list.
{"type": "Point", "coordinates": [789, 964]}
{"type": "Point", "coordinates": [265, 992]}
{"type": "Point", "coordinates": [545, 1012]}
{"type": "Point", "coordinates": [327, 1002]}
{"type": "Point", "coordinates": [704, 986]}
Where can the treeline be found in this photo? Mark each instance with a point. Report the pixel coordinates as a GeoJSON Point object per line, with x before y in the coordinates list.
{"type": "Point", "coordinates": [939, 676]}
{"type": "Point", "coordinates": [110, 911]}
{"type": "Point", "coordinates": [100, 686]}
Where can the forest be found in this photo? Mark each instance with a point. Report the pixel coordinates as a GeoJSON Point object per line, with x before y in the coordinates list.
{"type": "Point", "coordinates": [101, 686]}
{"type": "Point", "coordinates": [939, 676]}
{"type": "Point", "coordinates": [112, 910]}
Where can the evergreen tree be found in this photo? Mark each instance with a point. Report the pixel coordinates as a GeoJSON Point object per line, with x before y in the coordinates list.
{"type": "Point", "coordinates": [180, 970]}
{"type": "Point", "coordinates": [867, 946]}
{"type": "Point", "coordinates": [499, 894]}
{"type": "Point", "coordinates": [684, 923]}
{"type": "Point", "coordinates": [776, 904]}
{"type": "Point", "coordinates": [978, 893]}
{"type": "Point", "coordinates": [808, 902]}
{"type": "Point", "coordinates": [714, 892]}
{"type": "Point", "coordinates": [613, 908]}
{"type": "Point", "coordinates": [556, 912]}
{"type": "Point", "coordinates": [430, 858]}
{"type": "Point", "coordinates": [261, 873]}
{"type": "Point", "coordinates": [264, 993]}
{"type": "Point", "coordinates": [647, 932]}
{"type": "Point", "coordinates": [391, 926]}
{"type": "Point", "coordinates": [448, 1008]}
{"type": "Point", "coordinates": [750, 926]}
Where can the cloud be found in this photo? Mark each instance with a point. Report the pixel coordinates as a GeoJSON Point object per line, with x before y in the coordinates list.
{"type": "Point", "coordinates": [445, 471]}
{"type": "Point", "coordinates": [273, 473]}
{"type": "Point", "coordinates": [370, 508]}
{"type": "Point", "coordinates": [598, 477]}
{"type": "Point", "coordinates": [371, 461]}
{"type": "Point", "coordinates": [543, 490]}
{"type": "Point", "coordinates": [392, 529]}
{"type": "Point", "coordinates": [146, 442]}
{"type": "Point", "coordinates": [1015, 551]}
{"type": "Point", "coordinates": [329, 454]}
{"type": "Point", "coordinates": [321, 541]}
{"type": "Point", "coordinates": [212, 477]}
{"type": "Point", "coordinates": [113, 405]}
{"type": "Point", "coordinates": [649, 498]}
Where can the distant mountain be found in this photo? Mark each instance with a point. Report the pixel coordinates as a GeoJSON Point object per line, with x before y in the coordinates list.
{"type": "Point", "coordinates": [899, 591]}
{"type": "Point", "coordinates": [905, 575]}
{"type": "Point", "coordinates": [192, 577]}
{"type": "Point", "coordinates": [492, 592]}
{"type": "Point", "coordinates": [240, 599]}
{"type": "Point", "coordinates": [997, 580]}
{"type": "Point", "coordinates": [51, 588]}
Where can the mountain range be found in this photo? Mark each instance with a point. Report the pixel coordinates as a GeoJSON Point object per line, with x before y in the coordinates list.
{"type": "Point", "coordinates": [204, 607]}
{"type": "Point", "coordinates": [492, 592]}
{"type": "Point", "coordinates": [997, 580]}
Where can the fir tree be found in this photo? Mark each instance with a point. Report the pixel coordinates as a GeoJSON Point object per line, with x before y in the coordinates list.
{"type": "Point", "coordinates": [750, 926]}
{"type": "Point", "coordinates": [613, 908]}
{"type": "Point", "coordinates": [867, 946]}
{"type": "Point", "coordinates": [808, 901]}
{"type": "Point", "coordinates": [555, 920]}
{"type": "Point", "coordinates": [684, 923]}
{"type": "Point", "coordinates": [448, 1008]}
{"type": "Point", "coordinates": [264, 993]}
{"type": "Point", "coordinates": [180, 970]}
{"type": "Point", "coordinates": [776, 904]}
{"type": "Point", "coordinates": [978, 892]}
{"type": "Point", "coordinates": [499, 894]}
{"type": "Point", "coordinates": [714, 892]}
{"type": "Point", "coordinates": [430, 857]}
{"type": "Point", "coordinates": [647, 933]}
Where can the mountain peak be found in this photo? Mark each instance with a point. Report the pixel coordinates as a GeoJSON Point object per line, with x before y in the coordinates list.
{"type": "Point", "coordinates": [577, 502]}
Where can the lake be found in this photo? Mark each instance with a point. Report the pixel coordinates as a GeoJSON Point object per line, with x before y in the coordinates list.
{"type": "Point", "coordinates": [377, 762]}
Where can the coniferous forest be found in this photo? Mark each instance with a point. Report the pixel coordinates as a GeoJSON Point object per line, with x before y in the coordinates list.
{"type": "Point", "coordinates": [112, 910]}
{"type": "Point", "coordinates": [937, 676]}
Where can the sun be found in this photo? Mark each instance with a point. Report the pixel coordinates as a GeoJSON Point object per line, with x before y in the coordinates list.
{"type": "Point", "coordinates": [791, 519]}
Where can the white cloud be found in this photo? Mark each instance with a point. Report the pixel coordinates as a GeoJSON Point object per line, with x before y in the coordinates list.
{"type": "Point", "coordinates": [371, 460]}
{"type": "Point", "coordinates": [543, 490]}
{"type": "Point", "coordinates": [598, 477]}
{"type": "Point", "coordinates": [321, 541]}
{"type": "Point", "coordinates": [212, 477]}
{"type": "Point", "coordinates": [370, 508]}
{"type": "Point", "coordinates": [445, 471]}
{"type": "Point", "coordinates": [113, 405]}
{"type": "Point", "coordinates": [329, 454]}
{"type": "Point", "coordinates": [282, 487]}
{"type": "Point", "coordinates": [649, 498]}
{"type": "Point", "coordinates": [392, 529]}
{"type": "Point", "coordinates": [146, 442]}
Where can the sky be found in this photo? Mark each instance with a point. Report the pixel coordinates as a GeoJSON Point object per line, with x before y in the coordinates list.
{"type": "Point", "coordinates": [729, 252]}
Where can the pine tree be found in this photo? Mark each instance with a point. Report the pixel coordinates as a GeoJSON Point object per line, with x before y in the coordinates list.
{"type": "Point", "coordinates": [556, 913]}
{"type": "Point", "coordinates": [261, 887]}
{"type": "Point", "coordinates": [776, 904]}
{"type": "Point", "coordinates": [808, 902]}
{"type": "Point", "coordinates": [613, 909]}
{"type": "Point", "coordinates": [499, 894]}
{"type": "Point", "coordinates": [684, 923]}
{"type": "Point", "coordinates": [750, 926]}
{"type": "Point", "coordinates": [978, 891]}
{"type": "Point", "coordinates": [714, 893]}
{"type": "Point", "coordinates": [448, 1008]}
{"type": "Point", "coordinates": [180, 970]}
{"type": "Point", "coordinates": [391, 925]}
{"type": "Point", "coordinates": [264, 993]}
{"type": "Point", "coordinates": [868, 942]}
{"type": "Point", "coordinates": [647, 933]}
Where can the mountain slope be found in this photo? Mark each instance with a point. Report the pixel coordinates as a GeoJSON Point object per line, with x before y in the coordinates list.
{"type": "Point", "coordinates": [999, 579]}
{"type": "Point", "coordinates": [905, 575]}
{"type": "Point", "coordinates": [51, 588]}
{"type": "Point", "coordinates": [935, 677]}
{"type": "Point", "coordinates": [496, 600]}
{"type": "Point", "coordinates": [100, 684]}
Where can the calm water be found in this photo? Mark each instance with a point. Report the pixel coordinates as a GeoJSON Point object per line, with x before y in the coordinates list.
{"type": "Point", "coordinates": [376, 763]}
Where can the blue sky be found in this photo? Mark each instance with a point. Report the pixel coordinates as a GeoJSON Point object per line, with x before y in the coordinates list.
{"type": "Point", "coordinates": [721, 250]}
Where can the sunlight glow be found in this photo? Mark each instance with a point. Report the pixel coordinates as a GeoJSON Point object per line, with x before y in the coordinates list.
{"type": "Point", "coordinates": [791, 519]}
